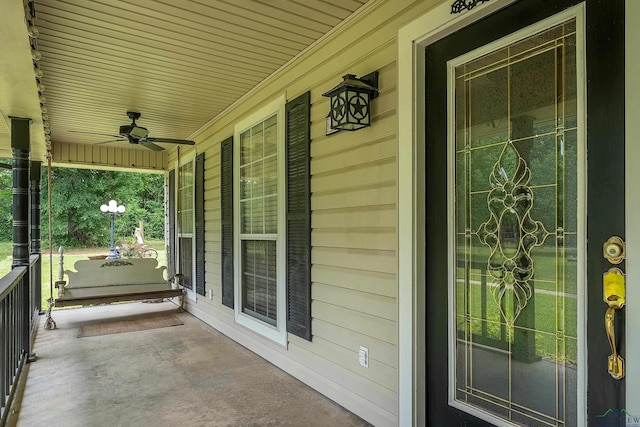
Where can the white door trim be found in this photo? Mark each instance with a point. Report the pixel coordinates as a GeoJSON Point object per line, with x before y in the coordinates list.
{"type": "Point", "coordinates": [412, 39]}
{"type": "Point", "coordinates": [632, 177]}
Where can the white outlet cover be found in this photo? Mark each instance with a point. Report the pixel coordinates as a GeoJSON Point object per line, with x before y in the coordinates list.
{"type": "Point", "coordinates": [363, 356]}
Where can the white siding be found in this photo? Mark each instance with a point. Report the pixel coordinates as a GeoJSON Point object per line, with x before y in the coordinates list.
{"type": "Point", "coordinates": [112, 158]}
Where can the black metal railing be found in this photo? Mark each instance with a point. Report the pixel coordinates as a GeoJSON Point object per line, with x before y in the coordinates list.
{"type": "Point", "coordinates": [18, 319]}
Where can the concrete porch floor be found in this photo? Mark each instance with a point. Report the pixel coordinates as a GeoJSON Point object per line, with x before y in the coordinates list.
{"type": "Point", "coordinates": [188, 375]}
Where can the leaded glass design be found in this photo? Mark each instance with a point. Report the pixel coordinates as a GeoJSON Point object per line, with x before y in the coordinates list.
{"type": "Point", "coordinates": [510, 232]}
{"type": "Point", "coordinates": [516, 230]}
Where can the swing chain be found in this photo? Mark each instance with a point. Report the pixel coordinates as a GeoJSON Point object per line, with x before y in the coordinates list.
{"type": "Point", "coordinates": [49, 324]}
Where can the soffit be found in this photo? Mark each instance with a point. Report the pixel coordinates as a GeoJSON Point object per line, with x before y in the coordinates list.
{"type": "Point", "coordinates": [179, 63]}
{"type": "Point", "coordinates": [18, 94]}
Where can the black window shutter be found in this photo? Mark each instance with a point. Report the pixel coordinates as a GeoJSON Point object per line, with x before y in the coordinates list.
{"type": "Point", "coordinates": [172, 223]}
{"type": "Point", "coordinates": [298, 141]}
{"type": "Point", "coordinates": [199, 222]}
{"type": "Point", "coordinates": [226, 219]}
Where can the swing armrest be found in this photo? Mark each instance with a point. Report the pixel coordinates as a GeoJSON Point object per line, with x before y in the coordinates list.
{"type": "Point", "coordinates": [60, 284]}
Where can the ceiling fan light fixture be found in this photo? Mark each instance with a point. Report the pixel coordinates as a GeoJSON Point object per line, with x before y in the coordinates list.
{"type": "Point", "coordinates": [138, 132]}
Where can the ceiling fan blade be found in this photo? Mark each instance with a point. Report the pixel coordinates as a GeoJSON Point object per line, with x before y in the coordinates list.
{"type": "Point", "coordinates": [151, 145]}
{"type": "Point", "coordinates": [94, 133]}
{"type": "Point", "coordinates": [172, 141]}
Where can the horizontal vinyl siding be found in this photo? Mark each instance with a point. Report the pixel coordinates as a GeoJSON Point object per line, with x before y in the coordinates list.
{"type": "Point", "coordinates": [357, 301]}
{"type": "Point", "coordinates": [119, 157]}
{"type": "Point", "coordinates": [354, 220]}
{"type": "Point", "coordinates": [378, 283]}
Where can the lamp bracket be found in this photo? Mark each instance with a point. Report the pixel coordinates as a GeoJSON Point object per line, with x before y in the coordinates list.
{"type": "Point", "coordinates": [372, 80]}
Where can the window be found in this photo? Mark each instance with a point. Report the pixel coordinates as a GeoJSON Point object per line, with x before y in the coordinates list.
{"type": "Point", "coordinates": [266, 278]}
{"type": "Point", "coordinates": [185, 219]}
{"type": "Point", "coordinates": [259, 230]}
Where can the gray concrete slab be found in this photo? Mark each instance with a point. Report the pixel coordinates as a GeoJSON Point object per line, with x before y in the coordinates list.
{"type": "Point", "coordinates": [188, 375]}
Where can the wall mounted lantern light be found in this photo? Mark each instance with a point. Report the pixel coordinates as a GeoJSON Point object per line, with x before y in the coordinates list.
{"type": "Point", "coordinates": [350, 102]}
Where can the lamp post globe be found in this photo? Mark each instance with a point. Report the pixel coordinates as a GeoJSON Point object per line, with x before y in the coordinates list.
{"type": "Point", "coordinates": [112, 209]}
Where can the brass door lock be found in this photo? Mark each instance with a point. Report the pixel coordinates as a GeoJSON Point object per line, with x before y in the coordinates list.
{"type": "Point", "coordinates": [614, 250]}
{"type": "Point", "coordinates": [614, 294]}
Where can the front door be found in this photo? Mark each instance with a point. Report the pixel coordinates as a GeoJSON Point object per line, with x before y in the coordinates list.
{"type": "Point", "coordinates": [525, 183]}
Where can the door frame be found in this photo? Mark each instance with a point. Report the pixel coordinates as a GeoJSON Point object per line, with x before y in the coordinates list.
{"type": "Point", "coordinates": [632, 177]}
{"type": "Point", "coordinates": [412, 40]}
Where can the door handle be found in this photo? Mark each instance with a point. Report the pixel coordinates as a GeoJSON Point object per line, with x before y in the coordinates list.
{"type": "Point", "coordinates": [615, 296]}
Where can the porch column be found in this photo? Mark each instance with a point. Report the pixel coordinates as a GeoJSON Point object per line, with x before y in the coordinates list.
{"type": "Point", "coordinates": [35, 174]}
{"type": "Point", "coordinates": [20, 143]}
{"type": "Point", "coordinates": [20, 147]}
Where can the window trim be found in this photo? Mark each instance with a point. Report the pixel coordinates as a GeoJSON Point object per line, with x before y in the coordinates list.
{"type": "Point", "coordinates": [277, 333]}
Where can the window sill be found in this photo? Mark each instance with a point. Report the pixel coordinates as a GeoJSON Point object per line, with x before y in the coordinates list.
{"type": "Point", "coordinates": [270, 332]}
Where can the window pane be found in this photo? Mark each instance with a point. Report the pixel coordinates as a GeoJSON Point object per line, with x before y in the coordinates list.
{"type": "Point", "coordinates": [259, 178]}
{"type": "Point", "coordinates": [256, 142]}
{"type": "Point", "coordinates": [270, 135]}
{"type": "Point", "coordinates": [257, 219]}
{"type": "Point", "coordinates": [270, 175]}
{"type": "Point", "coordinates": [245, 182]}
{"type": "Point", "coordinates": [245, 213]}
{"type": "Point", "coordinates": [186, 198]}
{"type": "Point", "coordinates": [245, 141]}
{"type": "Point", "coordinates": [271, 214]}
{"type": "Point", "coordinates": [259, 291]}
{"type": "Point", "coordinates": [186, 261]}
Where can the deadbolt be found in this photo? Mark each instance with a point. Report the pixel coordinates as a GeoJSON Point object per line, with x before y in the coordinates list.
{"type": "Point", "coordinates": [614, 250]}
{"type": "Point", "coordinates": [614, 288]}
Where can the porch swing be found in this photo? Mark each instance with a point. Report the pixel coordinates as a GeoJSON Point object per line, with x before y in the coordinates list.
{"type": "Point", "coordinates": [107, 280]}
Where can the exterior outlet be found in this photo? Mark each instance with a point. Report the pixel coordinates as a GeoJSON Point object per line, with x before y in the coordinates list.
{"type": "Point", "coordinates": [363, 356]}
{"type": "Point", "coordinates": [210, 293]}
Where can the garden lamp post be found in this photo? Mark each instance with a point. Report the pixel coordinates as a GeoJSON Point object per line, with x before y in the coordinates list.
{"type": "Point", "coordinates": [112, 209]}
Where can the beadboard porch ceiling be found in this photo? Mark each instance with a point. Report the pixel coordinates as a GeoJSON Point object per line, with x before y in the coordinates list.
{"type": "Point", "coordinates": [180, 63]}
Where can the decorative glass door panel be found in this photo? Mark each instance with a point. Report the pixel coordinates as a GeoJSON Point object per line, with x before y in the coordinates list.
{"type": "Point", "coordinates": [517, 230]}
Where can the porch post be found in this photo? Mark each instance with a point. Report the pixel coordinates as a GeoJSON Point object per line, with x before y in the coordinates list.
{"type": "Point", "coordinates": [20, 148]}
{"type": "Point", "coordinates": [20, 143]}
{"type": "Point", "coordinates": [35, 174]}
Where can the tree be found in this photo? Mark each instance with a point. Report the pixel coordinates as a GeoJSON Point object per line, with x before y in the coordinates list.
{"type": "Point", "coordinates": [6, 200]}
{"type": "Point", "coordinates": [77, 195]}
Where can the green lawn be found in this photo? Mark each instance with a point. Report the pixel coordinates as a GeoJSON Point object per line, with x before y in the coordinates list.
{"type": "Point", "coordinates": [70, 257]}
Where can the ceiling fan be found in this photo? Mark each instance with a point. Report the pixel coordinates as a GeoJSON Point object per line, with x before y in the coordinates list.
{"type": "Point", "coordinates": [138, 135]}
